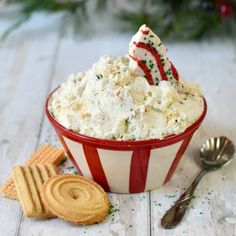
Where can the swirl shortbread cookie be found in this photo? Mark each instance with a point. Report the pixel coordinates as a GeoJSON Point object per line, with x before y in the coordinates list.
{"type": "Point", "coordinates": [75, 198]}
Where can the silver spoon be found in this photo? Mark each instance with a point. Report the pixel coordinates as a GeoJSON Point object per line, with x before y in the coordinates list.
{"type": "Point", "coordinates": [215, 153]}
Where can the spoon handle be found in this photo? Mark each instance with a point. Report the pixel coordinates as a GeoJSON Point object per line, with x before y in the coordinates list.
{"type": "Point", "coordinates": [176, 213]}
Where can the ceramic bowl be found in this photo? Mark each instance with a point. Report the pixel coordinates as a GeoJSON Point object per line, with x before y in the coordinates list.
{"type": "Point", "coordinates": [125, 166]}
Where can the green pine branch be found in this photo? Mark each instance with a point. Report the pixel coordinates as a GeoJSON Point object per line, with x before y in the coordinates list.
{"type": "Point", "coordinates": [172, 19]}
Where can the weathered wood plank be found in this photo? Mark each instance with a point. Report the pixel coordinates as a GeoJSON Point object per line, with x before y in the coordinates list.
{"type": "Point", "coordinates": [213, 67]}
{"type": "Point", "coordinates": [133, 215]}
{"type": "Point", "coordinates": [26, 64]}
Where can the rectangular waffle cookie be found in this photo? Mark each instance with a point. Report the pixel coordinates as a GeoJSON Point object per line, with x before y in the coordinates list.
{"type": "Point", "coordinates": [28, 181]}
{"type": "Point", "coordinates": [44, 155]}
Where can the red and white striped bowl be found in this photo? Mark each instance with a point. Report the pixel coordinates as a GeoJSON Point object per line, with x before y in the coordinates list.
{"type": "Point", "coordinates": [125, 166]}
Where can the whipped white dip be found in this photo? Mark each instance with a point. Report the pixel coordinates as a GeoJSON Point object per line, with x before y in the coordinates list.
{"type": "Point", "coordinates": [110, 101]}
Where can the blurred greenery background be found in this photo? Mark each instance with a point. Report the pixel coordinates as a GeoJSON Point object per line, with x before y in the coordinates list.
{"type": "Point", "coordinates": [171, 19]}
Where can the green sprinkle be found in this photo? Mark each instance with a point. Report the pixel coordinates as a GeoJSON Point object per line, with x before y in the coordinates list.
{"type": "Point", "coordinates": [63, 161]}
{"type": "Point", "coordinates": [170, 196]}
{"type": "Point", "coordinates": [112, 209]}
{"type": "Point", "coordinates": [151, 65]}
{"type": "Point", "coordinates": [70, 167]}
{"type": "Point", "coordinates": [99, 76]}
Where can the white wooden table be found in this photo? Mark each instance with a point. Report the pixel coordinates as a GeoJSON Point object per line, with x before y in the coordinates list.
{"type": "Point", "coordinates": [40, 55]}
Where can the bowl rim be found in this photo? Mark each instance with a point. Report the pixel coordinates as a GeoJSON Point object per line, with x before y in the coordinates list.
{"type": "Point", "coordinates": [120, 144]}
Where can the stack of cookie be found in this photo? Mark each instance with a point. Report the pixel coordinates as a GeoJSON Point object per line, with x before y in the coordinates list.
{"type": "Point", "coordinates": [44, 194]}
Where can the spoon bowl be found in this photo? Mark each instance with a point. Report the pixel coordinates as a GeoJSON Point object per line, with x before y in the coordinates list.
{"type": "Point", "coordinates": [216, 152]}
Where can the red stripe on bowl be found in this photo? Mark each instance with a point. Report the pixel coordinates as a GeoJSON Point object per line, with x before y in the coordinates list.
{"type": "Point", "coordinates": [95, 166]}
{"type": "Point", "coordinates": [178, 156]}
{"type": "Point", "coordinates": [138, 170]}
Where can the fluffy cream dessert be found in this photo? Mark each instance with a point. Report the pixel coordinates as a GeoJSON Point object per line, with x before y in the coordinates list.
{"type": "Point", "coordinates": [112, 101]}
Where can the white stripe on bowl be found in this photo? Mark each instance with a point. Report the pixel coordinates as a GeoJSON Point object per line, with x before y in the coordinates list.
{"type": "Point", "coordinates": [77, 152]}
{"type": "Point", "coordinates": [159, 164]}
{"type": "Point", "coordinates": [116, 166]}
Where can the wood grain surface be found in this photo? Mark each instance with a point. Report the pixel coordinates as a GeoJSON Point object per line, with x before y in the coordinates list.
{"type": "Point", "coordinates": [40, 55]}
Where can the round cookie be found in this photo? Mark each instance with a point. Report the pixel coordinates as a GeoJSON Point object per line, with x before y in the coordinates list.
{"type": "Point", "coordinates": [75, 198]}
